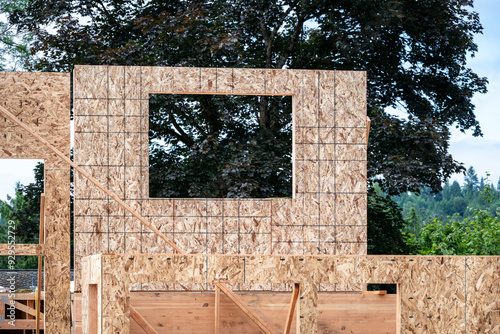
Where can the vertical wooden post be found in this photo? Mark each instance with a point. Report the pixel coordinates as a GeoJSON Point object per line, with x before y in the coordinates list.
{"type": "Point", "coordinates": [92, 311]}
{"type": "Point", "coordinates": [40, 259]}
{"type": "Point", "coordinates": [217, 310]}
{"type": "Point", "coordinates": [398, 308]}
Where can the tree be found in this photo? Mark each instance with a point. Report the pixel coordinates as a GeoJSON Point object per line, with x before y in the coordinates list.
{"type": "Point", "coordinates": [477, 235]}
{"type": "Point", "coordinates": [414, 52]}
{"type": "Point", "coordinates": [24, 210]}
{"type": "Point", "coordinates": [14, 49]}
{"type": "Point", "coordinates": [385, 225]}
{"type": "Point", "coordinates": [471, 180]}
{"type": "Point", "coordinates": [413, 222]}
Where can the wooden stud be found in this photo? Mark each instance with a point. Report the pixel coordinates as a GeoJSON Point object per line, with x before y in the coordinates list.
{"type": "Point", "coordinates": [291, 310]}
{"type": "Point", "coordinates": [92, 311]}
{"type": "Point", "coordinates": [40, 260]}
{"type": "Point", "coordinates": [139, 319]}
{"type": "Point", "coordinates": [368, 123]}
{"type": "Point", "coordinates": [217, 310]}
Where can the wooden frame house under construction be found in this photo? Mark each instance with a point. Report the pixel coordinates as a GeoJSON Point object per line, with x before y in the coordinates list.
{"type": "Point", "coordinates": [276, 265]}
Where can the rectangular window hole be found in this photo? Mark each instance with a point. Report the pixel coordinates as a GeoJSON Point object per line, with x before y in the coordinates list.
{"type": "Point", "coordinates": [220, 146]}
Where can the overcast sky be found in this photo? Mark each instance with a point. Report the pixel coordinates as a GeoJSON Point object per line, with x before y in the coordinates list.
{"type": "Point", "coordinates": [483, 153]}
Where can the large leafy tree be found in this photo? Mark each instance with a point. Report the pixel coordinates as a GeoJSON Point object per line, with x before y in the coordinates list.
{"type": "Point", "coordinates": [414, 52]}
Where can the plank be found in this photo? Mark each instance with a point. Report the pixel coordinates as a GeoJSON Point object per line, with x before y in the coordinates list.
{"type": "Point", "coordinates": [23, 249]}
{"type": "Point", "coordinates": [25, 308]}
{"type": "Point", "coordinates": [139, 319]}
{"type": "Point", "coordinates": [40, 262]}
{"type": "Point", "coordinates": [291, 310]}
{"type": "Point", "coordinates": [217, 310]}
{"type": "Point", "coordinates": [20, 324]}
{"type": "Point", "coordinates": [244, 307]}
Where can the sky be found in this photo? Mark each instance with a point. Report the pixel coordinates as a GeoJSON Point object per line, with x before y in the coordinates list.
{"type": "Point", "coordinates": [481, 152]}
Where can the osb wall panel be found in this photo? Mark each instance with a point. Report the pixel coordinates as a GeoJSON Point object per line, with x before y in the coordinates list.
{"type": "Point", "coordinates": [42, 101]}
{"type": "Point", "coordinates": [327, 214]}
{"type": "Point", "coordinates": [445, 294]}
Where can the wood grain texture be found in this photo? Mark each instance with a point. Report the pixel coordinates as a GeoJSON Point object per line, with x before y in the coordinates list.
{"type": "Point", "coordinates": [111, 142]}
{"type": "Point", "coordinates": [432, 296]}
{"type": "Point", "coordinates": [41, 103]}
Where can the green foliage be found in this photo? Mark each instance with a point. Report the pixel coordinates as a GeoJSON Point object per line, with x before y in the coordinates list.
{"type": "Point", "coordinates": [478, 234]}
{"type": "Point", "coordinates": [414, 52]}
{"type": "Point", "coordinates": [24, 210]}
{"type": "Point", "coordinates": [454, 200]}
{"type": "Point", "coordinates": [233, 157]}
{"type": "Point", "coordinates": [14, 45]}
{"type": "Point", "coordinates": [385, 224]}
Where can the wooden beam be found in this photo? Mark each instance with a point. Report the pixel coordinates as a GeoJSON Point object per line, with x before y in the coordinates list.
{"type": "Point", "coordinates": [368, 123]}
{"type": "Point", "coordinates": [93, 309]}
{"type": "Point", "coordinates": [20, 324]}
{"type": "Point", "coordinates": [23, 249]}
{"type": "Point", "coordinates": [252, 315]}
{"type": "Point", "coordinates": [244, 307]}
{"type": "Point", "coordinates": [398, 309]}
{"type": "Point", "coordinates": [381, 292]}
{"type": "Point", "coordinates": [139, 319]}
{"type": "Point", "coordinates": [291, 309]}
{"type": "Point", "coordinates": [25, 308]}
{"type": "Point", "coordinates": [40, 261]}
{"type": "Point", "coordinates": [217, 310]}
{"type": "Point", "coordinates": [23, 295]}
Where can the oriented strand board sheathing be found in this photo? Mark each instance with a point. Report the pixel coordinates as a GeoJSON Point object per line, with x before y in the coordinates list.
{"type": "Point", "coordinates": [42, 102]}
{"type": "Point", "coordinates": [111, 142]}
{"type": "Point", "coordinates": [433, 298]}
{"type": "Point", "coordinates": [483, 298]}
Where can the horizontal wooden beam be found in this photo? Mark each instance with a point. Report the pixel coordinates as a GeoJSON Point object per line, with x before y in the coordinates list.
{"type": "Point", "coordinates": [22, 295]}
{"type": "Point", "coordinates": [381, 292]}
{"type": "Point", "coordinates": [20, 324]}
{"type": "Point", "coordinates": [22, 249]}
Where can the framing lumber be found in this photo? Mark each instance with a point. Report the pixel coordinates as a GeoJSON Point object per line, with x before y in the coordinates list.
{"type": "Point", "coordinates": [21, 324]}
{"type": "Point", "coordinates": [40, 260]}
{"type": "Point", "coordinates": [26, 309]}
{"type": "Point", "coordinates": [380, 292]}
{"type": "Point", "coordinates": [217, 310]}
{"type": "Point", "coordinates": [139, 319]}
{"type": "Point", "coordinates": [244, 307]}
{"type": "Point", "coordinates": [368, 122]}
{"type": "Point", "coordinates": [134, 213]}
{"type": "Point", "coordinates": [291, 310]}
{"type": "Point", "coordinates": [23, 249]}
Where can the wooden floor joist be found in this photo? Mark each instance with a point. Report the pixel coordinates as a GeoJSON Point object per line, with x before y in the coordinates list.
{"type": "Point", "coordinates": [251, 314]}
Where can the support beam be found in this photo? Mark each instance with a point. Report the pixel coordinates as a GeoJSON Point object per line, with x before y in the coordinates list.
{"type": "Point", "coordinates": [368, 123]}
{"type": "Point", "coordinates": [291, 310]}
{"type": "Point", "coordinates": [381, 292]}
{"type": "Point", "coordinates": [40, 260]}
{"type": "Point", "coordinates": [217, 310]}
{"type": "Point", "coordinates": [23, 249]}
{"type": "Point", "coordinates": [244, 307]}
{"type": "Point", "coordinates": [139, 319]}
{"type": "Point", "coordinates": [251, 314]}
